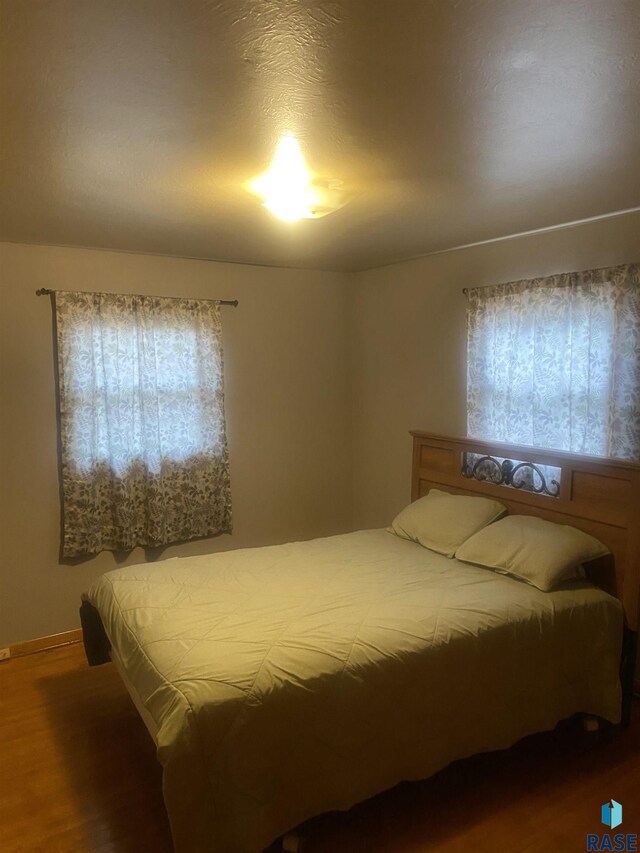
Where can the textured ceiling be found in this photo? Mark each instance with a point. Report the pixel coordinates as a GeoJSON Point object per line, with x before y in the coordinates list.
{"type": "Point", "coordinates": [133, 124]}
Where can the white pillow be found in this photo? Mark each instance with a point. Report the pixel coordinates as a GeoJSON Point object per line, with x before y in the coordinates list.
{"type": "Point", "coordinates": [539, 552]}
{"type": "Point", "coordinates": [442, 521]}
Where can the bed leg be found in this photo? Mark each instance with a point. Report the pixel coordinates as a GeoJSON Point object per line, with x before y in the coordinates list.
{"type": "Point", "coordinates": [97, 647]}
{"type": "Point", "coordinates": [292, 843]}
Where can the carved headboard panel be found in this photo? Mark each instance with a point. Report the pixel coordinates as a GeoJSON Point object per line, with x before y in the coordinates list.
{"type": "Point", "coordinates": [598, 495]}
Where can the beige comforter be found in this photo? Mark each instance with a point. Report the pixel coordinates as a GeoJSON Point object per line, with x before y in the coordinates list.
{"type": "Point", "coordinates": [294, 679]}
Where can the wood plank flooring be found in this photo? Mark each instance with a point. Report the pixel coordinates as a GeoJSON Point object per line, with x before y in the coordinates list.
{"type": "Point", "coordinates": [78, 774]}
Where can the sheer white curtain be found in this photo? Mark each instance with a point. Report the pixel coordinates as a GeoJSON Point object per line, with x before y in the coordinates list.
{"type": "Point", "coordinates": [142, 426]}
{"type": "Point", "coordinates": [555, 362]}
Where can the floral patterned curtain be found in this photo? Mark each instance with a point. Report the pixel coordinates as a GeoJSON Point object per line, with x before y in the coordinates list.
{"type": "Point", "coordinates": [141, 409]}
{"type": "Point", "coordinates": [555, 362]}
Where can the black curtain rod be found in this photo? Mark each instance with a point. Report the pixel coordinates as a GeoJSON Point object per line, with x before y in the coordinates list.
{"type": "Point", "coordinates": [46, 291]}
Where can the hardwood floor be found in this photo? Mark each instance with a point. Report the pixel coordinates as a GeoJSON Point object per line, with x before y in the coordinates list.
{"type": "Point", "coordinates": [79, 774]}
{"type": "Point", "coordinates": [79, 771]}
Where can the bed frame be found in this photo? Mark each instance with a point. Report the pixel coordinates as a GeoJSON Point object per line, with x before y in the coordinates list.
{"type": "Point", "coordinates": [596, 494]}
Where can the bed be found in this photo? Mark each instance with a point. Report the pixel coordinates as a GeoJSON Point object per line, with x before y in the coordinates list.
{"type": "Point", "coordinates": [284, 681]}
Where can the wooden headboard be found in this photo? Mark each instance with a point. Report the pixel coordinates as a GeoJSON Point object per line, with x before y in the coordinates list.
{"type": "Point", "coordinates": [598, 495]}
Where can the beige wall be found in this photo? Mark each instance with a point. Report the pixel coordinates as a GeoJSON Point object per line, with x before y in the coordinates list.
{"type": "Point", "coordinates": [286, 383]}
{"type": "Point", "coordinates": [325, 372]}
{"type": "Point", "coordinates": [408, 344]}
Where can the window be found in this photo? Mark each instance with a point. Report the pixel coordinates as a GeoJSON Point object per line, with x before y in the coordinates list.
{"type": "Point", "coordinates": [144, 453]}
{"type": "Point", "coordinates": [555, 362]}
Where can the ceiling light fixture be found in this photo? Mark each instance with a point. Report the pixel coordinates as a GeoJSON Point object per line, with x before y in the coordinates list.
{"type": "Point", "coordinates": [290, 191]}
